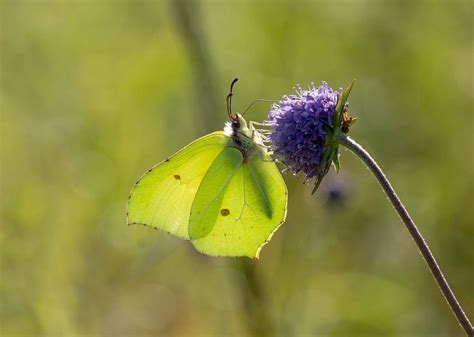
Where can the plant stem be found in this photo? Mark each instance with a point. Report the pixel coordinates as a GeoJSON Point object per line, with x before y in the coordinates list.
{"type": "Point", "coordinates": [254, 301]}
{"type": "Point", "coordinates": [187, 14]}
{"type": "Point", "coordinates": [415, 233]}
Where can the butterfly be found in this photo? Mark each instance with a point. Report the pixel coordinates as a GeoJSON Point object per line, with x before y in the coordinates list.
{"type": "Point", "coordinates": [222, 192]}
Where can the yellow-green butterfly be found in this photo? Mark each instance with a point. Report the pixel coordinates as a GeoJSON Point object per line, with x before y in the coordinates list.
{"type": "Point", "coordinates": [222, 192]}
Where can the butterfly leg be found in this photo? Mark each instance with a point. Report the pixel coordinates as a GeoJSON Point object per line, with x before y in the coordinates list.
{"type": "Point", "coordinates": [263, 132]}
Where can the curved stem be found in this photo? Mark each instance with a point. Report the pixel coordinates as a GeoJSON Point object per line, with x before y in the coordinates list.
{"type": "Point", "coordinates": [415, 233]}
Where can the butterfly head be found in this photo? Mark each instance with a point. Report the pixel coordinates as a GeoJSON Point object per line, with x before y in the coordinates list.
{"type": "Point", "coordinates": [245, 138]}
{"type": "Point", "coordinates": [236, 125]}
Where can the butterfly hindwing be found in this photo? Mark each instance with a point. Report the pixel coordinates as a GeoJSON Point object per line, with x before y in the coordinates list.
{"type": "Point", "coordinates": [238, 206]}
{"type": "Point", "coordinates": [163, 196]}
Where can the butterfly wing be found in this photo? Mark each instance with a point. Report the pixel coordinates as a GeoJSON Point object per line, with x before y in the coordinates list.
{"type": "Point", "coordinates": [163, 196]}
{"type": "Point", "coordinates": [238, 206]}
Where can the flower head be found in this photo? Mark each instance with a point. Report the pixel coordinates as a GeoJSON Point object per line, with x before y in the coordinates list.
{"type": "Point", "coordinates": [303, 128]}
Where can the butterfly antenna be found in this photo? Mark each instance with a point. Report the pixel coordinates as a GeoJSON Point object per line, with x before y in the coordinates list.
{"type": "Point", "coordinates": [258, 101]}
{"type": "Point", "coordinates": [229, 101]}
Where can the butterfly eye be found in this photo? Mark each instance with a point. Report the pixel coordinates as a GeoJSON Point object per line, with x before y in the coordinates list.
{"type": "Point", "coordinates": [235, 123]}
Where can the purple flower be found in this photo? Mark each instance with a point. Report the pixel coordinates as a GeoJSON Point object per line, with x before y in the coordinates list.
{"type": "Point", "coordinates": [301, 130]}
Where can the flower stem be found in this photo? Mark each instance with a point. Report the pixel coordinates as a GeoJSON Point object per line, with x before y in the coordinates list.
{"type": "Point", "coordinates": [414, 232]}
{"type": "Point", "coordinates": [258, 320]}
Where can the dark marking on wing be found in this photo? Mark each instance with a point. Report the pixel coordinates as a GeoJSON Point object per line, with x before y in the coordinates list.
{"type": "Point", "coordinates": [177, 177]}
{"type": "Point", "coordinates": [225, 212]}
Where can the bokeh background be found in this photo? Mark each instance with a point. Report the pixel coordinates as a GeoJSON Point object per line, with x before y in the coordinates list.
{"type": "Point", "coordinates": [93, 93]}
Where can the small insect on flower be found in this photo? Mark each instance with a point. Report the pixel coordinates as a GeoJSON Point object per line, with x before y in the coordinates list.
{"type": "Point", "coordinates": [347, 120]}
{"type": "Point", "coordinates": [305, 130]}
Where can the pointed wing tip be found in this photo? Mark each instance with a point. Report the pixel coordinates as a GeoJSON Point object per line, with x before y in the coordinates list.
{"type": "Point", "coordinates": [256, 256]}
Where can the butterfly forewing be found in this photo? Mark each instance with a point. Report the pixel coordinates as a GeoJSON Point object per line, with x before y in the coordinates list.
{"type": "Point", "coordinates": [163, 196]}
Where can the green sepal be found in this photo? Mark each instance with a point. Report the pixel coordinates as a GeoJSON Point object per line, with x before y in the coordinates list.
{"type": "Point", "coordinates": [344, 97]}
{"type": "Point", "coordinates": [341, 103]}
{"type": "Point", "coordinates": [331, 152]}
{"type": "Point", "coordinates": [316, 184]}
{"type": "Point", "coordinates": [330, 155]}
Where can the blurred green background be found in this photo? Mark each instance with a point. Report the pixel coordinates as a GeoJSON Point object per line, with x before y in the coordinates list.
{"type": "Point", "coordinates": [93, 93]}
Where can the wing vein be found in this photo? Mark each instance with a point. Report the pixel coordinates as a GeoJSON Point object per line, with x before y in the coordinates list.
{"type": "Point", "coordinates": [221, 190]}
{"type": "Point", "coordinates": [267, 201]}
